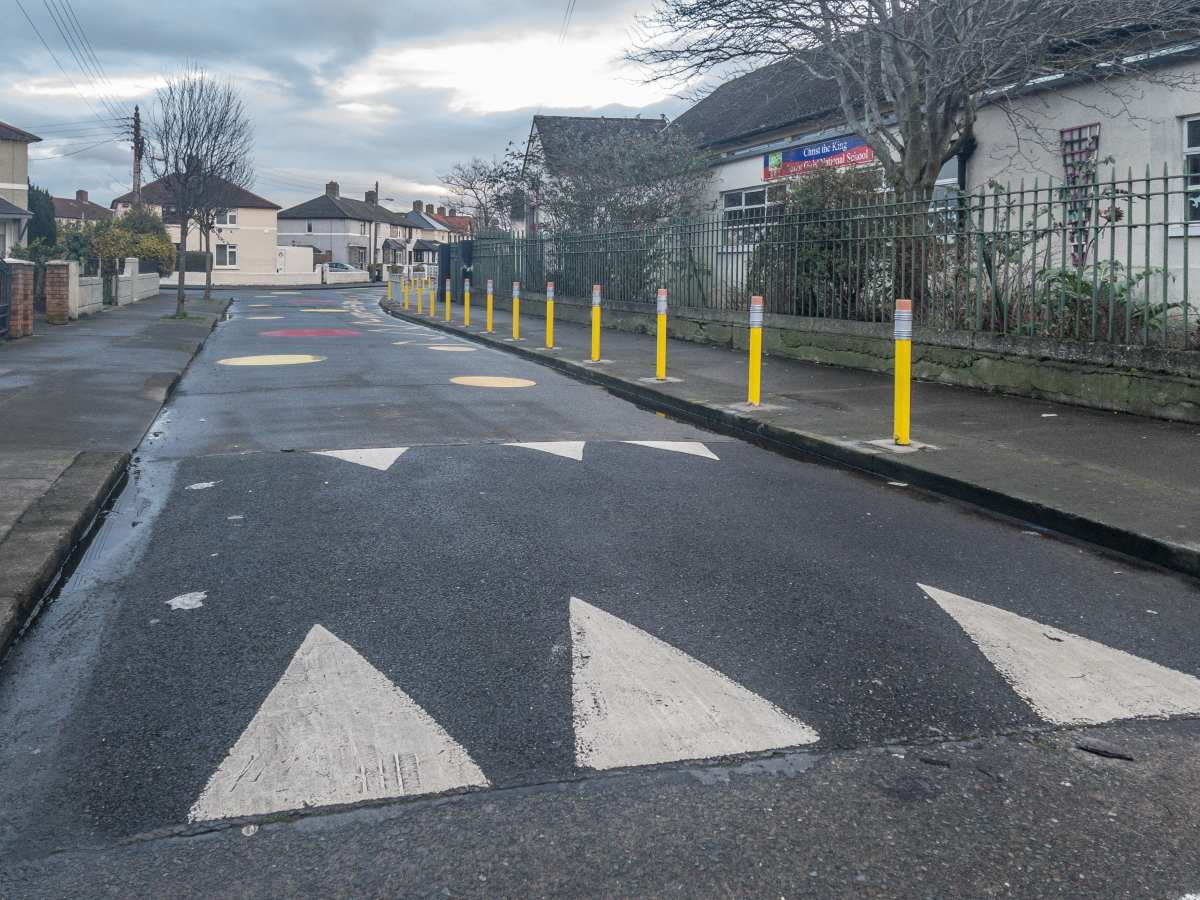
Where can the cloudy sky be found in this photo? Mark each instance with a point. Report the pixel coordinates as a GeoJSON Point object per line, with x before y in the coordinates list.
{"type": "Point", "coordinates": [351, 90]}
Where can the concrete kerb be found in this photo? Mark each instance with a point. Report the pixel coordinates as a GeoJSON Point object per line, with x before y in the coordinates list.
{"type": "Point", "coordinates": [803, 445]}
{"type": "Point", "coordinates": [34, 553]}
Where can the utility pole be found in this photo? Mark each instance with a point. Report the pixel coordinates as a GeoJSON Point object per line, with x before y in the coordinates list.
{"type": "Point", "coordinates": [138, 146]}
{"type": "Point", "coordinates": [375, 225]}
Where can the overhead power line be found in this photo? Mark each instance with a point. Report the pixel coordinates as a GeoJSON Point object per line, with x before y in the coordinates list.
{"type": "Point", "coordinates": [77, 152]}
{"type": "Point", "coordinates": [61, 68]}
{"type": "Point", "coordinates": [75, 48]}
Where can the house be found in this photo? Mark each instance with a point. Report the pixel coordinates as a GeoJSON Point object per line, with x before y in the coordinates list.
{"type": "Point", "coordinates": [556, 142]}
{"type": "Point", "coordinates": [359, 233]}
{"type": "Point", "coordinates": [14, 186]}
{"type": "Point", "coordinates": [431, 227]}
{"type": "Point", "coordinates": [460, 228]}
{"type": "Point", "coordinates": [243, 241]}
{"type": "Point", "coordinates": [78, 211]}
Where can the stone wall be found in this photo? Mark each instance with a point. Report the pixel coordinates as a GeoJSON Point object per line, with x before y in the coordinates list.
{"type": "Point", "coordinates": [1160, 383]}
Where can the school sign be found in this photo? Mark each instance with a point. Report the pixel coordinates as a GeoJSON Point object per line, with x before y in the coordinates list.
{"type": "Point", "coordinates": [836, 153]}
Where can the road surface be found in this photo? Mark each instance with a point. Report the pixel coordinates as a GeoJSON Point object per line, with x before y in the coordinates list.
{"type": "Point", "coordinates": [382, 612]}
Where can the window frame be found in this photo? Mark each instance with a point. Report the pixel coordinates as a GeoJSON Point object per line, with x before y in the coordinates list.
{"type": "Point", "coordinates": [227, 248]}
{"type": "Point", "coordinates": [740, 231]}
{"type": "Point", "coordinates": [1191, 180]}
{"type": "Point", "coordinates": [230, 217]}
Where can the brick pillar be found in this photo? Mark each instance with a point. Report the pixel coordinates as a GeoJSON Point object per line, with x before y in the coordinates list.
{"type": "Point", "coordinates": [58, 292]}
{"type": "Point", "coordinates": [21, 315]}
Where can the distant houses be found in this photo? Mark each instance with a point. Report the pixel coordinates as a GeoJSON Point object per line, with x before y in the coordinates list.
{"type": "Point", "coordinates": [79, 210]}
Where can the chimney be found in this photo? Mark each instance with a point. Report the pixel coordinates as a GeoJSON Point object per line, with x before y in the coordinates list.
{"type": "Point", "coordinates": [371, 197]}
{"type": "Point", "coordinates": [331, 189]}
{"type": "Point", "coordinates": [81, 197]}
{"type": "Point", "coordinates": [453, 211]}
{"type": "Point", "coordinates": [441, 211]}
{"type": "Point", "coordinates": [416, 206]}
{"type": "Point", "coordinates": [429, 208]}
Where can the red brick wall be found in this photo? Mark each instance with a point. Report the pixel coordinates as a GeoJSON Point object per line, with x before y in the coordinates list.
{"type": "Point", "coordinates": [58, 286]}
{"type": "Point", "coordinates": [21, 316]}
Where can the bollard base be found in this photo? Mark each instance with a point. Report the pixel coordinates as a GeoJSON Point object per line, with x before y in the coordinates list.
{"type": "Point", "coordinates": [755, 407]}
{"type": "Point", "coordinates": [595, 362]}
{"type": "Point", "coordinates": [890, 445]}
{"type": "Point", "coordinates": [668, 380]}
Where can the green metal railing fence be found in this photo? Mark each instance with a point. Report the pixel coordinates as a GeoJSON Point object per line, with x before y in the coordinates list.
{"type": "Point", "coordinates": [1096, 261]}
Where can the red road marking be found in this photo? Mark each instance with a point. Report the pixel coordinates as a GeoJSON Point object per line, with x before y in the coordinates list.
{"type": "Point", "coordinates": [311, 332]}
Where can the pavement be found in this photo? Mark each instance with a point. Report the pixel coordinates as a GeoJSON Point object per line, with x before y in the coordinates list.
{"type": "Point", "coordinates": [74, 401]}
{"type": "Point", "coordinates": [1124, 482]}
{"type": "Point", "coordinates": [385, 612]}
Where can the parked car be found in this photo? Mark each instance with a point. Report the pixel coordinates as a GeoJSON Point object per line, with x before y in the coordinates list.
{"type": "Point", "coordinates": [341, 267]}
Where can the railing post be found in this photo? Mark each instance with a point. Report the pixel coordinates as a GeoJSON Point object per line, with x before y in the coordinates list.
{"type": "Point", "coordinates": [903, 372]}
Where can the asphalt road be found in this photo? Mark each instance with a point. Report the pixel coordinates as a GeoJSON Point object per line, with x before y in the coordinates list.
{"type": "Point", "coordinates": [340, 633]}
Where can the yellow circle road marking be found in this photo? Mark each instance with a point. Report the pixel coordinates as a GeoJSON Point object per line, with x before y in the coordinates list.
{"type": "Point", "coordinates": [282, 359]}
{"type": "Point", "coordinates": [400, 343]}
{"type": "Point", "coordinates": [260, 305]}
{"type": "Point", "coordinates": [492, 381]}
{"type": "Point", "coordinates": [451, 349]}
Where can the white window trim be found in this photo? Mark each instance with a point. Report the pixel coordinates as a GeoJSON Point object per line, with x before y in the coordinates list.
{"type": "Point", "coordinates": [1193, 225]}
{"type": "Point", "coordinates": [226, 264]}
{"type": "Point", "coordinates": [227, 223]}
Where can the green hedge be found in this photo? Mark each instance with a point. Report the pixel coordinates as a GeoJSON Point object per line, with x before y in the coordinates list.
{"type": "Point", "coordinates": [196, 261]}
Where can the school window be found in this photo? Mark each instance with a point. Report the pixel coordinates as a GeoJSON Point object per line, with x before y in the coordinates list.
{"type": "Point", "coordinates": [225, 255]}
{"type": "Point", "coordinates": [1191, 167]}
{"type": "Point", "coordinates": [227, 217]}
{"type": "Point", "coordinates": [744, 212]}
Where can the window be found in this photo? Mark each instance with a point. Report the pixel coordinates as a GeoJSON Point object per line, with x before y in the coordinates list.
{"type": "Point", "coordinates": [362, 227]}
{"type": "Point", "coordinates": [226, 256]}
{"type": "Point", "coordinates": [1191, 167]}
{"type": "Point", "coordinates": [308, 227]}
{"type": "Point", "coordinates": [227, 217]}
{"type": "Point", "coordinates": [744, 212]}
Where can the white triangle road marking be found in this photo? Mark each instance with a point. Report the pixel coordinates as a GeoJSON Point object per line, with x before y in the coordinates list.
{"type": "Point", "coordinates": [334, 729]}
{"type": "Point", "coordinates": [639, 701]}
{"type": "Point", "coordinates": [1068, 679]}
{"type": "Point", "coordinates": [692, 448]}
{"type": "Point", "coordinates": [380, 458]}
{"type": "Point", "coordinates": [568, 449]}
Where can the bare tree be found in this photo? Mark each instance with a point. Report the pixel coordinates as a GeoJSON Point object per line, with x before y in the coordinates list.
{"type": "Point", "coordinates": [482, 187]}
{"type": "Point", "coordinates": [911, 75]}
{"type": "Point", "coordinates": [200, 142]}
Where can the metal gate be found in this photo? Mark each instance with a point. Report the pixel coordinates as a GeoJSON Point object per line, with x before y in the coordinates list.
{"type": "Point", "coordinates": [5, 298]}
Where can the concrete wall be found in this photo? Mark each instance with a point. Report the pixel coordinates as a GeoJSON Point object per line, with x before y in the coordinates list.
{"type": "Point", "coordinates": [91, 296]}
{"type": "Point", "coordinates": [329, 235]}
{"type": "Point", "coordinates": [1162, 384]}
{"type": "Point", "coordinates": [294, 260]}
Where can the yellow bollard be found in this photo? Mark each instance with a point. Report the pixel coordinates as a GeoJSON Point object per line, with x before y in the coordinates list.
{"type": "Point", "coordinates": [903, 403]}
{"type": "Point", "coordinates": [447, 299]}
{"type": "Point", "coordinates": [404, 287]}
{"type": "Point", "coordinates": [516, 311]}
{"type": "Point", "coordinates": [432, 299]}
{"type": "Point", "coordinates": [421, 296]}
{"type": "Point", "coordinates": [488, 323]}
{"type": "Point", "coordinates": [595, 323]}
{"type": "Point", "coordinates": [466, 303]}
{"type": "Point", "coordinates": [660, 361]}
{"type": "Point", "coordinates": [389, 289]}
{"type": "Point", "coordinates": [756, 322]}
{"type": "Point", "coordinates": [549, 315]}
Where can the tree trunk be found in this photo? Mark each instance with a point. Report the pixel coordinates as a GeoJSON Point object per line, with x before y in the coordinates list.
{"type": "Point", "coordinates": [208, 264]}
{"type": "Point", "coordinates": [180, 293]}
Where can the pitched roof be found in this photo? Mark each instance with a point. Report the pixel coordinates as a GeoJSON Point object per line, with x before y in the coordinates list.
{"type": "Point", "coordinates": [12, 211]}
{"type": "Point", "coordinates": [458, 224]}
{"type": "Point", "coordinates": [329, 207]}
{"type": "Point", "coordinates": [422, 220]}
{"type": "Point", "coordinates": [12, 133]}
{"type": "Point", "coordinates": [157, 193]}
{"type": "Point", "coordinates": [560, 135]}
{"type": "Point", "coordinates": [767, 99]}
{"type": "Point", "coordinates": [423, 244]}
{"type": "Point", "coordinates": [70, 208]}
